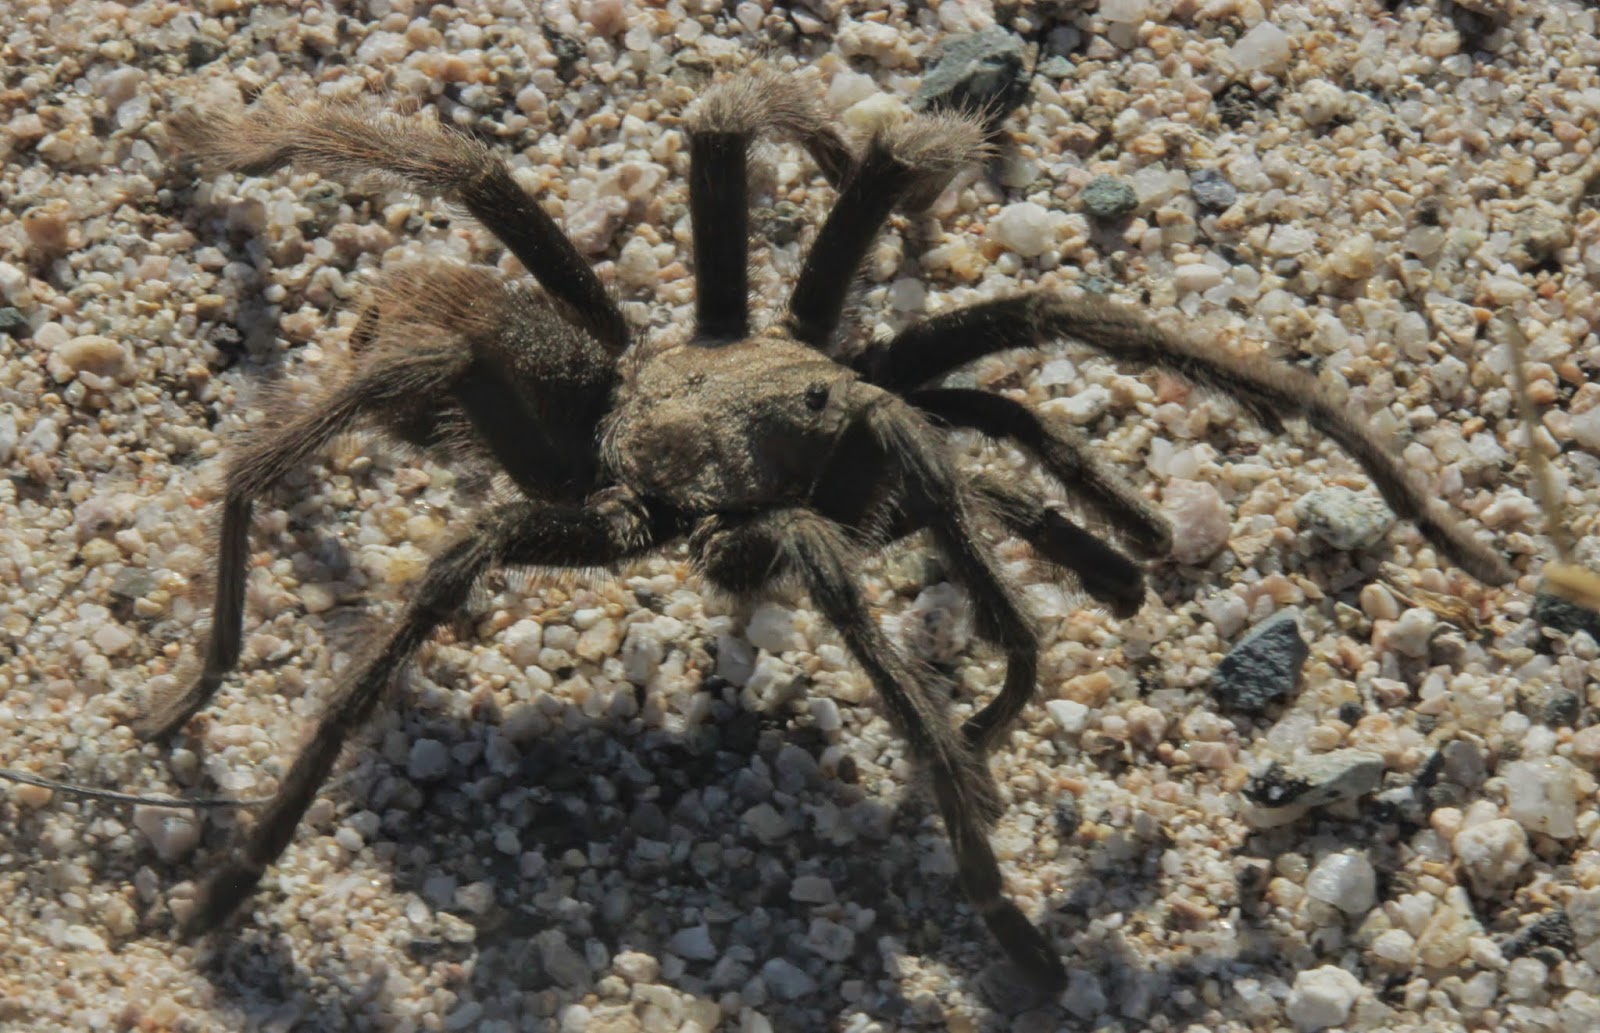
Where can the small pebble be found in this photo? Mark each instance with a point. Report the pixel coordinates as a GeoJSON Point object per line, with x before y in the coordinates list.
{"type": "Point", "coordinates": [1345, 519]}
{"type": "Point", "coordinates": [1318, 779]}
{"type": "Point", "coordinates": [1212, 190]}
{"type": "Point", "coordinates": [1107, 199]}
{"type": "Point", "coordinates": [1346, 880]}
{"type": "Point", "coordinates": [1322, 998]}
{"type": "Point", "coordinates": [1542, 796]}
{"type": "Point", "coordinates": [429, 760]}
{"type": "Point", "coordinates": [1024, 227]}
{"type": "Point", "coordinates": [1199, 520]}
{"type": "Point", "coordinates": [1263, 667]}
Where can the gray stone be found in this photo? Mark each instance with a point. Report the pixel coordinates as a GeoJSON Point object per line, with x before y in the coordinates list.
{"type": "Point", "coordinates": [978, 73]}
{"type": "Point", "coordinates": [1211, 190]}
{"type": "Point", "coordinates": [786, 980]}
{"type": "Point", "coordinates": [1107, 199]}
{"type": "Point", "coordinates": [1345, 519]}
{"type": "Point", "coordinates": [1264, 666]}
{"type": "Point", "coordinates": [693, 943]}
{"type": "Point", "coordinates": [13, 323]}
{"type": "Point", "coordinates": [429, 760]}
{"type": "Point", "coordinates": [1317, 780]}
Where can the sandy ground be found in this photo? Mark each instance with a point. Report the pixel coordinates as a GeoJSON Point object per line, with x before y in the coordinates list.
{"type": "Point", "coordinates": [614, 804]}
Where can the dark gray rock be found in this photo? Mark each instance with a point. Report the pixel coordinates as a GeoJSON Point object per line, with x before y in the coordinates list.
{"type": "Point", "coordinates": [1107, 199]}
{"type": "Point", "coordinates": [14, 324]}
{"type": "Point", "coordinates": [979, 73]}
{"type": "Point", "coordinates": [1211, 190]}
{"type": "Point", "coordinates": [1556, 613]}
{"type": "Point", "coordinates": [1264, 666]}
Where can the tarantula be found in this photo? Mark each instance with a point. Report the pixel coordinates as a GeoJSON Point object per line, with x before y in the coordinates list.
{"type": "Point", "coordinates": [778, 461]}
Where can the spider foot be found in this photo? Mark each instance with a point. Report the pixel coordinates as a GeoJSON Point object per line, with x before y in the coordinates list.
{"type": "Point", "coordinates": [221, 894]}
{"type": "Point", "coordinates": [1027, 947]}
{"type": "Point", "coordinates": [163, 716]}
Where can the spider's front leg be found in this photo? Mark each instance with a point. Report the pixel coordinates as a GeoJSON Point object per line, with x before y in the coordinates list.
{"type": "Point", "coordinates": [612, 527]}
{"type": "Point", "coordinates": [742, 557]}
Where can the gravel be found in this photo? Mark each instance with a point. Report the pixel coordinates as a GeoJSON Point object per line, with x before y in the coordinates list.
{"type": "Point", "coordinates": [586, 770]}
{"type": "Point", "coordinates": [1265, 666]}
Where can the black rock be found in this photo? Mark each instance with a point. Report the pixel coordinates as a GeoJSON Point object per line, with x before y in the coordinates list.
{"type": "Point", "coordinates": [202, 50]}
{"type": "Point", "coordinates": [1264, 666]}
{"type": "Point", "coordinates": [1557, 613]}
{"type": "Point", "coordinates": [1549, 933]}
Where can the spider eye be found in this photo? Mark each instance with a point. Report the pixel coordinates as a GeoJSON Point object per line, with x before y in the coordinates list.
{"type": "Point", "coordinates": [817, 396]}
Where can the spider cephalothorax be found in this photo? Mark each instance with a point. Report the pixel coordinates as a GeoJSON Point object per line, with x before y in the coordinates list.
{"type": "Point", "coordinates": [778, 463]}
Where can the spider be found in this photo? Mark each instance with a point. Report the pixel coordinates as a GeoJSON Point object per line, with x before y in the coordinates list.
{"type": "Point", "coordinates": [782, 457]}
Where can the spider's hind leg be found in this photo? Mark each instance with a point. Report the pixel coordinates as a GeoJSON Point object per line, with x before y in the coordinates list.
{"type": "Point", "coordinates": [445, 355]}
{"type": "Point", "coordinates": [523, 533]}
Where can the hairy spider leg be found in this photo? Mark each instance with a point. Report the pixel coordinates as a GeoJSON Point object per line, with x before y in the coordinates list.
{"type": "Point", "coordinates": [523, 533]}
{"type": "Point", "coordinates": [1106, 574]}
{"type": "Point", "coordinates": [936, 498]}
{"type": "Point", "coordinates": [441, 348]}
{"type": "Point", "coordinates": [1066, 454]}
{"type": "Point", "coordinates": [740, 556]}
{"type": "Point", "coordinates": [907, 160]}
{"type": "Point", "coordinates": [345, 141]}
{"type": "Point", "coordinates": [1268, 390]}
{"type": "Point", "coordinates": [729, 118]}
{"type": "Point", "coordinates": [261, 463]}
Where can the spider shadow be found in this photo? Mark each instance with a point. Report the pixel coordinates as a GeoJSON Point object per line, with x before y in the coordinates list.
{"type": "Point", "coordinates": [624, 836]}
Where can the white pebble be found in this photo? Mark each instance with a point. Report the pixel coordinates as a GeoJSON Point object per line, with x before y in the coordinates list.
{"type": "Point", "coordinates": [825, 714]}
{"type": "Point", "coordinates": [1493, 854]}
{"type": "Point", "coordinates": [1071, 715]}
{"type": "Point", "coordinates": [772, 627]}
{"type": "Point", "coordinates": [1412, 632]}
{"type": "Point", "coordinates": [1264, 48]}
{"type": "Point", "coordinates": [173, 834]}
{"type": "Point", "coordinates": [1322, 997]}
{"type": "Point", "coordinates": [1086, 406]}
{"type": "Point", "coordinates": [523, 641]}
{"type": "Point", "coordinates": [89, 353]}
{"type": "Point", "coordinates": [1346, 880]}
{"type": "Point", "coordinates": [112, 639]}
{"type": "Point", "coordinates": [1196, 277]}
{"type": "Point", "coordinates": [1199, 520]}
{"type": "Point", "coordinates": [1541, 796]}
{"type": "Point", "coordinates": [1023, 227]}
{"type": "Point", "coordinates": [1396, 946]}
